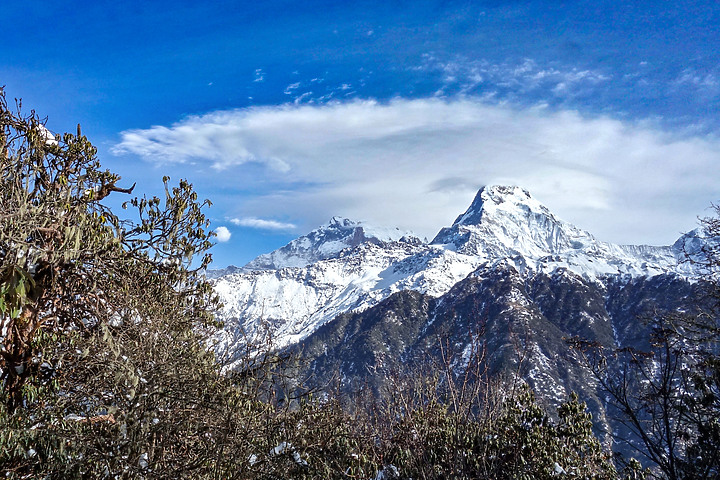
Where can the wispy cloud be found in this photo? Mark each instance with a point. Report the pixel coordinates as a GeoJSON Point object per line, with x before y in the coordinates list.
{"type": "Point", "coordinates": [291, 88]}
{"type": "Point", "coordinates": [300, 98]}
{"type": "Point", "coordinates": [218, 137]}
{"type": "Point", "coordinates": [467, 75]}
{"type": "Point", "coordinates": [707, 82]}
{"type": "Point", "coordinates": [416, 164]}
{"type": "Point", "coordinates": [222, 234]}
{"type": "Point", "coordinates": [261, 224]}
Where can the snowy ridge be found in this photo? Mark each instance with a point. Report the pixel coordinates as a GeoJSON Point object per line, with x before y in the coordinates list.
{"type": "Point", "coordinates": [296, 301]}
{"type": "Point", "coordinates": [506, 222]}
{"type": "Point", "coordinates": [327, 242]}
{"type": "Point", "coordinates": [350, 266]}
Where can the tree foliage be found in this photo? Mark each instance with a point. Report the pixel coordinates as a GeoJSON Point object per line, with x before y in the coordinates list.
{"type": "Point", "coordinates": [71, 265]}
{"type": "Point", "coordinates": [471, 426]}
{"type": "Point", "coordinates": [96, 309]}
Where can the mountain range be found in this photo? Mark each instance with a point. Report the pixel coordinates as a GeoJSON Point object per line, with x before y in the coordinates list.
{"type": "Point", "coordinates": [353, 298]}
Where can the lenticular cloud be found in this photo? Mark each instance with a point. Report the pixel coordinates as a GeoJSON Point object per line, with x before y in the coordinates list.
{"type": "Point", "coordinates": [415, 163]}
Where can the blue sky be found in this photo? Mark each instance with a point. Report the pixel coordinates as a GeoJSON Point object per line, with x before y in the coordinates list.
{"type": "Point", "coordinates": [287, 113]}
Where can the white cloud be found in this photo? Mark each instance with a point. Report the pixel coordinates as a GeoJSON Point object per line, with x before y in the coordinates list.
{"type": "Point", "coordinates": [416, 164]}
{"type": "Point", "coordinates": [260, 224]}
{"type": "Point", "coordinates": [222, 234]}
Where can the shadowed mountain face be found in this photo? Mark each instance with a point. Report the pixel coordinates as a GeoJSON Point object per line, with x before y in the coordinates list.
{"type": "Point", "coordinates": [524, 319]}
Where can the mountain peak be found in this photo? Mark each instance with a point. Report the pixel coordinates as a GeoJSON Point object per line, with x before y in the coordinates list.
{"type": "Point", "coordinates": [327, 241]}
{"type": "Point", "coordinates": [340, 222]}
{"type": "Point", "coordinates": [506, 221]}
{"type": "Point", "coordinates": [491, 199]}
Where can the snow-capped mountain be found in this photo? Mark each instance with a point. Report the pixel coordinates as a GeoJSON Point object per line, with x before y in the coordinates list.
{"type": "Point", "coordinates": [508, 223]}
{"type": "Point", "coordinates": [347, 266]}
{"type": "Point", "coordinates": [327, 242]}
